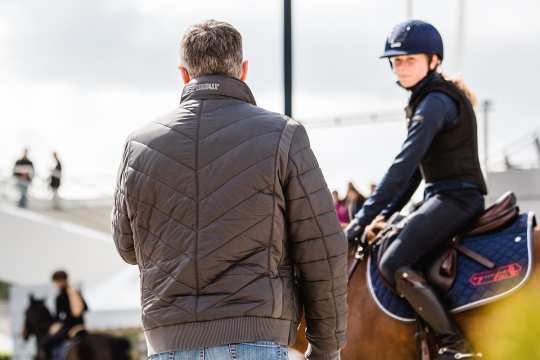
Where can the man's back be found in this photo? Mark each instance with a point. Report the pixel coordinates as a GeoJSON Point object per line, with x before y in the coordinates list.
{"type": "Point", "coordinates": [207, 196]}
{"type": "Point", "coordinates": [224, 209]}
{"type": "Point", "coordinates": [200, 184]}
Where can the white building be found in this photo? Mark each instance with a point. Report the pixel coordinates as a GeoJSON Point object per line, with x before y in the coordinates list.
{"type": "Point", "coordinates": [35, 245]}
{"type": "Point", "coordinates": [524, 183]}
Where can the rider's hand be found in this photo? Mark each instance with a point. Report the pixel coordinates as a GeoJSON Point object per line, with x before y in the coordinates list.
{"type": "Point", "coordinates": [354, 231]}
{"type": "Point", "coordinates": [374, 228]}
{"type": "Point", "coordinates": [54, 328]}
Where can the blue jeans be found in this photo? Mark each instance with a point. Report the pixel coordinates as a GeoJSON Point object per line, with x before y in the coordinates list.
{"type": "Point", "coordinates": [23, 189]}
{"type": "Point", "coordinates": [261, 350]}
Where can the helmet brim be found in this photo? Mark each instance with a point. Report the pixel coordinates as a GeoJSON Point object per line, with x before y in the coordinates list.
{"type": "Point", "coordinates": [394, 52]}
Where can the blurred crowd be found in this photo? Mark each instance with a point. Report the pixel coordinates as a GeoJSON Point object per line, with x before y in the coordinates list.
{"type": "Point", "coordinates": [350, 204]}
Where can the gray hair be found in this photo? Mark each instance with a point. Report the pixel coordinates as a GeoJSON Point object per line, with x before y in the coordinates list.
{"type": "Point", "coordinates": [212, 47]}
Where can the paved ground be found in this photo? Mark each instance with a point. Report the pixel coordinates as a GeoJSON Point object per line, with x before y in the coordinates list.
{"type": "Point", "coordinates": [94, 217]}
{"type": "Point", "coordinates": [93, 214]}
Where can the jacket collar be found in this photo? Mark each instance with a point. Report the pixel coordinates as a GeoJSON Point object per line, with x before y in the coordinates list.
{"type": "Point", "coordinates": [415, 90]}
{"type": "Point", "coordinates": [215, 87]}
{"type": "Point", "coordinates": [422, 83]}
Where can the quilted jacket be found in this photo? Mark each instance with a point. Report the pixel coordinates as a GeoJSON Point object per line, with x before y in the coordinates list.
{"type": "Point", "coordinates": [224, 209]}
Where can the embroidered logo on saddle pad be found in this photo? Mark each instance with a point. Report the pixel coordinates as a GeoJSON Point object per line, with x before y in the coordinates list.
{"type": "Point", "coordinates": [492, 276]}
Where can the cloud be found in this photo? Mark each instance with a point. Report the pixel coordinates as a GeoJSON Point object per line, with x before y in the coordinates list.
{"type": "Point", "coordinates": [134, 43]}
{"type": "Point", "coordinates": [95, 45]}
{"type": "Point", "coordinates": [88, 44]}
{"type": "Point", "coordinates": [100, 67]}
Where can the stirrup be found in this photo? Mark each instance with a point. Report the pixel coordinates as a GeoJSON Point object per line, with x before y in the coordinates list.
{"type": "Point", "coordinates": [459, 355]}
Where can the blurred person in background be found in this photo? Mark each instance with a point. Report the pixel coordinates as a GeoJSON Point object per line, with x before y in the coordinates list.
{"type": "Point", "coordinates": [355, 199]}
{"type": "Point", "coordinates": [23, 171]}
{"type": "Point", "coordinates": [55, 180]}
{"type": "Point", "coordinates": [70, 309]}
{"type": "Point", "coordinates": [341, 209]}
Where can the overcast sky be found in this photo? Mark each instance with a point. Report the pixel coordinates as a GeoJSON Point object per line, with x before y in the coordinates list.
{"type": "Point", "coordinates": [78, 76]}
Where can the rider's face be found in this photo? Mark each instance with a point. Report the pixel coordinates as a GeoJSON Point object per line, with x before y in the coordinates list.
{"type": "Point", "coordinates": [410, 69]}
{"type": "Point", "coordinates": [60, 284]}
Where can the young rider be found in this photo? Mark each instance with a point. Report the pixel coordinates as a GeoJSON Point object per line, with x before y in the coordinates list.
{"type": "Point", "coordinates": [441, 148]}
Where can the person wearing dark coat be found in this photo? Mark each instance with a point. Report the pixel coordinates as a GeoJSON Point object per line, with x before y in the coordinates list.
{"type": "Point", "coordinates": [23, 172]}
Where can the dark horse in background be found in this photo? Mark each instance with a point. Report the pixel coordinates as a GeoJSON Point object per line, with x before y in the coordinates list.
{"type": "Point", "coordinates": [505, 329]}
{"type": "Point", "coordinates": [38, 320]}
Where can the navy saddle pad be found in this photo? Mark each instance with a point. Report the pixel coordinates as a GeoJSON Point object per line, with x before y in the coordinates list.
{"type": "Point", "coordinates": [511, 249]}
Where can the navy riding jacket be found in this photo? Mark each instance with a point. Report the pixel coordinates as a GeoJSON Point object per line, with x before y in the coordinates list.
{"type": "Point", "coordinates": [436, 112]}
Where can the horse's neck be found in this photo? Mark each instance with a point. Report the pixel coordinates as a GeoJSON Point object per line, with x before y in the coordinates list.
{"type": "Point", "coordinates": [41, 336]}
{"type": "Point", "coordinates": [42, 327]}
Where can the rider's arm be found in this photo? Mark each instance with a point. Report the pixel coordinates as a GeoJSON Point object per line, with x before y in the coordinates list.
{"type": "Point", "coordinates": [397, 204]}
{"type": "Point", "coordinates": [434, 113]}
{"type": "Point", "coordinates": [76, 303]}
{"type": "Point", "coordinates": [121, 224]}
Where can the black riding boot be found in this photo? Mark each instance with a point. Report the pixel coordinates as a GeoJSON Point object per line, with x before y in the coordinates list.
{"type": "Point", "coordinates": [413, 287]}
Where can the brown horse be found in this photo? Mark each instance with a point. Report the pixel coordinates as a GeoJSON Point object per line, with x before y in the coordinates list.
{"type": "Point", "coordinates": [506, 329]}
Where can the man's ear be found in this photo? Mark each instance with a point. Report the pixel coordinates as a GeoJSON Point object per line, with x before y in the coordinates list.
{"type": "Point", "coordinates": [184, 73]}
{"type": "Point", "coordinates": [245, 67]}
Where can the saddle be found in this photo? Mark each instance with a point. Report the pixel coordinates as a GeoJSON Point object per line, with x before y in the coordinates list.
{"type": "Point", "coordinates": [442, 272]}
{"type": "Point", "coordinates": [497, 216]}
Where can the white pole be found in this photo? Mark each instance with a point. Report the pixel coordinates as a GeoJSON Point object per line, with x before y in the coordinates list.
{"type": "Point", "coordinates": [487, 109]}
{"type": "Point", "coordinates": [460, 35]}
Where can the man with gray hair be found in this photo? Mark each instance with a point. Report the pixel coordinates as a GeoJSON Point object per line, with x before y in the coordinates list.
{"type": "Point", "coordinates": [223, 207]}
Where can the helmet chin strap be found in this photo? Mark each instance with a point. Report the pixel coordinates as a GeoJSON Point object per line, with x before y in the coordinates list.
{"type": "Point", "coordinates": [430, 70]}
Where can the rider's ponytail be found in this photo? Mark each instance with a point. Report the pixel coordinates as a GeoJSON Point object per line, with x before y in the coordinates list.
{"type": "Point", "coordinates": [458, 81]}
{"type": "Point", "coordinates": [455, 79]}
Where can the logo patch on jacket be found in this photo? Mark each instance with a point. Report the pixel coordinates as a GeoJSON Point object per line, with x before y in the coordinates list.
{"type": "Point", "coordinates": [200, 87]}
{"type": "Point", "coordinates": [418, 118]}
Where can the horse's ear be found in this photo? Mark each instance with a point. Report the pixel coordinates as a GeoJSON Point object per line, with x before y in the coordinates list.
{"type": "Point", "coordinates": [32, 298]}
